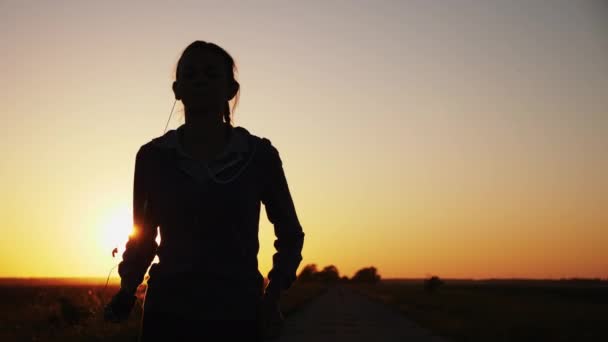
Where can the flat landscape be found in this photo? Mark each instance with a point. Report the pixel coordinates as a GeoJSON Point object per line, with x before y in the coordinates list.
{"type": "Point", "coordinates": [70, 310]}
{"type": "Point", "coordinates": [501, 310]}
{"type": "Point", "coordinates": [391, 310]}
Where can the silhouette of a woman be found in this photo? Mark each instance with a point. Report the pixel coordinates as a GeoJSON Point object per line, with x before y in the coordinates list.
{"type": "Point", "coordinates": [202, 185]}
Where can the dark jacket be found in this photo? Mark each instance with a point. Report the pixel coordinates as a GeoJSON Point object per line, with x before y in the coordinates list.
{"type": "Point", "coordinates": [208, 217]}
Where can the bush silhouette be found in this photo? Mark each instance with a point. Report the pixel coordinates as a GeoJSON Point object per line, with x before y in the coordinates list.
{"type": "Point", "coordinates": [329, 274]}
{"type": "Point", "coordinates": [366, 275]}
{"type": "Point", "coordinates": [432, 284]}
{"type": "Point", "coordinates": [308, 273]}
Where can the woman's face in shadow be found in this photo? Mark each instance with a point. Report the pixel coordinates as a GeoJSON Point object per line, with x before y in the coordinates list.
{"type": "Point", "coordinates": [202, 82]}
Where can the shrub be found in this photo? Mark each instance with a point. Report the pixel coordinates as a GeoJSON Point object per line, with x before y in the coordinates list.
{"type": "Point", "coordinates": [366, 275]}
{"type": "Point", "coordinates": [432, 284]}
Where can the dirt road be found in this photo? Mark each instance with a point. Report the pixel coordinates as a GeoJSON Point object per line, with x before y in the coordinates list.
{"type": "Point", "coordinates": [343, 315]}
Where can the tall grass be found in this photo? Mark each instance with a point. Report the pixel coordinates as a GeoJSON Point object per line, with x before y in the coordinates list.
{"type": "Point", "coordinates": [75, 312]}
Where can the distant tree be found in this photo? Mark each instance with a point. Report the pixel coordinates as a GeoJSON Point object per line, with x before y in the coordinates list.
{"type": "Point", "coordinates": [329, 274]}
{"type": "Point", "coordinates": [308, 273]}
{"type": "Point", "coordinates": [366, 275]}
{"type": "Point", "coordinates": [344, 279]}
{"type": "Point", "coordinates": [432, 284]}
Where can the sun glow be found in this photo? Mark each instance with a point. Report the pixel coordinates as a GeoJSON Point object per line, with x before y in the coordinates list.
{"type": "Point", "coordinates": [117, 229]}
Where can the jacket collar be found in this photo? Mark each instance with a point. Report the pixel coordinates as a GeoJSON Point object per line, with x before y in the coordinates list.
{"type": "Point", "coordinates": [225, 167]}
{"type": "Point", "coordinates": [238, 143]}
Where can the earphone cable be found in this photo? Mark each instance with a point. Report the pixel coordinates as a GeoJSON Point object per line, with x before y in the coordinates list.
{"type": "Point", "coordinates": [169, 119]}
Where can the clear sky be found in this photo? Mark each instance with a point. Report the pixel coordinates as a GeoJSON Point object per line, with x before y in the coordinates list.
{"type": "Point", "coordinates": [457, 138]}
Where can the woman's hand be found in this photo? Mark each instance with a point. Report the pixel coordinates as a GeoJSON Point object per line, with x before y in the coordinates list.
{"type": "Point", "coordinates": [271, 318]}
{"type": "Point", "coordinates": [120, 307]}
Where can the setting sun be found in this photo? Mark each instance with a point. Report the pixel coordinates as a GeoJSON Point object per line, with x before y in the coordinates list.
{"type": "Point", "coordinates": [117, 229]}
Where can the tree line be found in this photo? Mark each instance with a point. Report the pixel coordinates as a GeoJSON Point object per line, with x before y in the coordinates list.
{"type": "Point", "coordinates": [330, 274]}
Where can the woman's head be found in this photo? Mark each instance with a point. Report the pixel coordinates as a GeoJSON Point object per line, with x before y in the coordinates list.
{"type": "Point", "coordinates": [205, 81]}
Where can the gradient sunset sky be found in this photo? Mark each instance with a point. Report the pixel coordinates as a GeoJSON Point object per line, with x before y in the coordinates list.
{"type": "Point", "coordinates": [465, 139]}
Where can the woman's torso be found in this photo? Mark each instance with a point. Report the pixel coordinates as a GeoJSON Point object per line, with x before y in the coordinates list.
{"type": "Point", "coordinates": [208, 222]}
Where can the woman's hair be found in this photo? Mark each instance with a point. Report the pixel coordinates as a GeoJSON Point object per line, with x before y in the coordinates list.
{"type": "Point", "coordinates": [230, 69]}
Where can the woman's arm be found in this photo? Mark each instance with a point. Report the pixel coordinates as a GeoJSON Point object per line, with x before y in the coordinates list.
{"type": "Point", "coordinates": [281, 213]}
{"type": "Point", "coordinates": [141, 247]}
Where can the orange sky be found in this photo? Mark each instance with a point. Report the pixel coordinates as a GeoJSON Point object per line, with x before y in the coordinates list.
{"type": "Point", "coordinates": [465, 139]}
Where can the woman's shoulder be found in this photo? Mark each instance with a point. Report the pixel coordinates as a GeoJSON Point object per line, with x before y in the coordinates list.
{"type": "Point", "coordinates": [263, 144]}
{"type": "Point", "coordinates": [261, 149]}
{"type": "Point", "coordinates": [256, 141]}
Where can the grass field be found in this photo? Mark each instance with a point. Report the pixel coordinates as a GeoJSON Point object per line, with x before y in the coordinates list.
{"type": "Point", "coordinates": [60, 311]}
{"type": "Point", "coordinates": [502, 310]}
